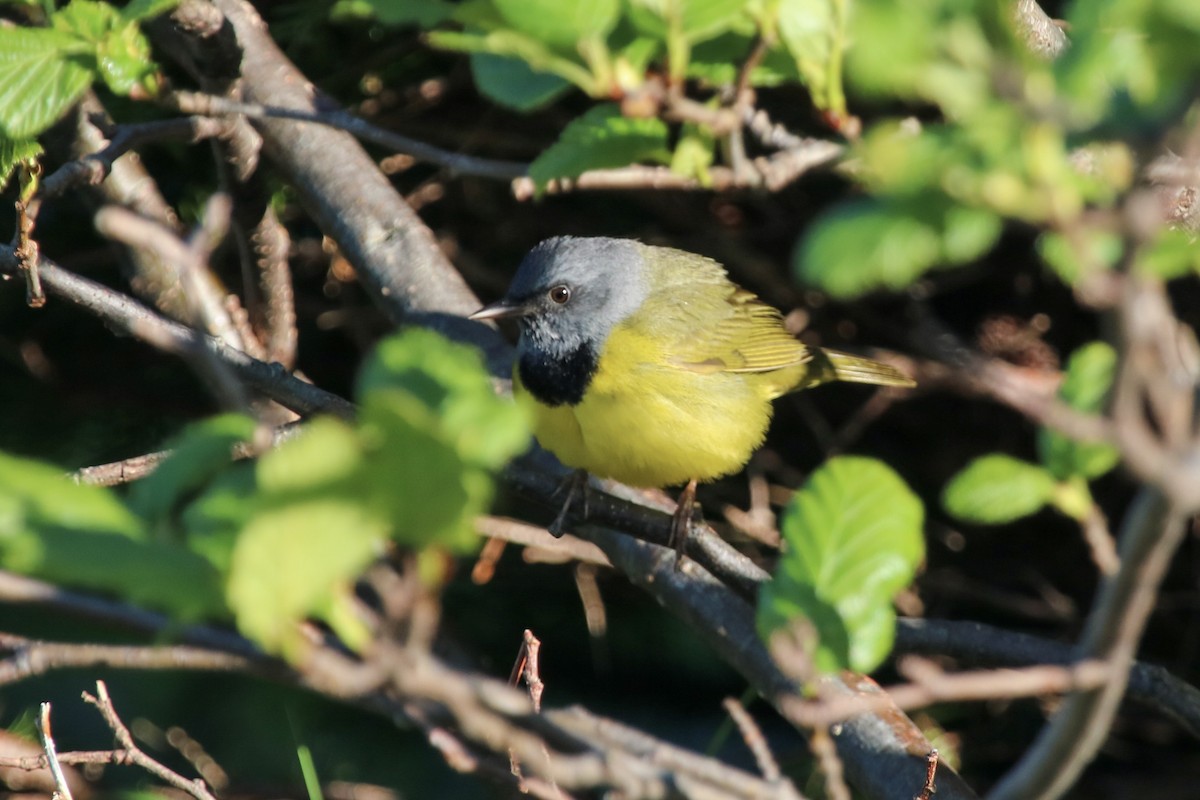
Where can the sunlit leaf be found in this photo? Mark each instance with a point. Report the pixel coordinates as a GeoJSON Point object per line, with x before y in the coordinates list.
{"type": "Point", "coordinates": [14, 152]}
{"type": "Point", "coordinates": [292, 562]}
{"type": "Point", "coordinates": [996, 489]}
{"type": "Point", "coordinates": [1086, 383]}
{"type": "Point", "coordinates": [600, 139]}
{"type": "Point", "coordinates": [197, 455]}
{"type": "Point", "coordinates": [557, 23]}
{"type": "Point", "coordinates": [42, 73]}
{"type": "Point", "coordinates": [84, 536]}
{"type": "Point", "coordinates": [853, 537]}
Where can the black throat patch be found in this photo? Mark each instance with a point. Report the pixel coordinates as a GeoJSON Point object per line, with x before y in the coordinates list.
{"type": "Point", "coordinates": [559, 380]}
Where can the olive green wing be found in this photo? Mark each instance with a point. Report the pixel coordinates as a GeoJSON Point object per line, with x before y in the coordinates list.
{"type": "Point", "coordinates": [709, 324]}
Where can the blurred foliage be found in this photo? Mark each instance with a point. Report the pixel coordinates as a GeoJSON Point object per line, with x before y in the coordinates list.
{"type": "Point", "coordinates": [285, 537]}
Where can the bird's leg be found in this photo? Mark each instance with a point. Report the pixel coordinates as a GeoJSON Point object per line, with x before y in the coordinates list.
{"type": "Point", "coordinates": [575, 483]}
{"type": "Point", "coordinates": [681, 521]}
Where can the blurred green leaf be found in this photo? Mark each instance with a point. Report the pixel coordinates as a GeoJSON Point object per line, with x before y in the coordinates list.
{"type": "Point", "coordinates": [326, 455]}
{"type": "Point", "coordinates": [1086, 383]}
{"type": "Point", "coordinates": [139, 10]}
{"type": "Point", "coordinates": [602, 138]}
{"type": "Point", "coordinates": [996, 489]}
{"type": "Point", "coordinates": [422, 13]}
{"type": "Point", "coordinates": [866, 245]}
{"type": "Point", "coordinates": [434, 430]}
{"type": "Point", "coordinates": [84, 536]}
{"type": "Point", "coordinates": [694, 154]}
{"type": "Point", "coordinates": [696, 20]}
{"type": "Point", "coordinates": [124, 60]}
{"type": "Point", "coordinates": [1172, 254]}
{"type": "Point", "coordinates": [560, 24]}
{"type": "Point", "coordinates": [1072, 258]}
{"type": "Point", "coordinates": [539, 57]}
{"type": "Point", "coordinates": [214, 519]}
{"type": "Point", "coordinates": [814, 33]}
{"type": "Point", "coordinates": [14, 152]}
{"type": "Point", "coordinates": [511, 83]}
{"type": "Point", "coordinates": [295, 561]}
{"type": "Point", "coordinates": [853, 538]}
{"type": "Point", "coordinates": [42, 73]}
{"type": "Point", "coordinates": [451, 381]}
{"type": "Point", "coordinates": [197, 455]}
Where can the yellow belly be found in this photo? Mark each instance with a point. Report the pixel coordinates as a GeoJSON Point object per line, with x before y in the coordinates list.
{"type": "Point", "coordinates": [647, 423]}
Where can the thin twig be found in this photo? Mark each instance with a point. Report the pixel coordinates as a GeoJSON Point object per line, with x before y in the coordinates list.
{"type": "Point", "coordinates": [927, 791]}
{"type": "Point", "coordinates": [752, 735]}
{"type": "Point", "coordinates": [93, 168]}
{"type": "Point", "coordinates": [829, 764]}
{"type": "Point", "coordinates": [196, 788]}
{"type": "Point", "coordinates": [61, 790]}
{"type": "Point", "coordinates": [31, 763]}
{"type": "Point", "coordinates": [130, 317]}
{"type": "Point", "coordinates": [456, 163]}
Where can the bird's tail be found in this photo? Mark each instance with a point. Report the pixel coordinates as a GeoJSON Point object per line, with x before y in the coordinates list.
{"type": "Point", "coordinates": [855, 369]}
{"type": "Point", "coordinates": [826, 366]}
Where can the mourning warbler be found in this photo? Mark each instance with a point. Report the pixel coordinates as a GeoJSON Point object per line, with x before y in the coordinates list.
{"type": "Point", "coordinates": [649, 366]}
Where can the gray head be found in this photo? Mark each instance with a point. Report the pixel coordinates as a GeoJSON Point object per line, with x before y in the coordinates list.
{"type": "Point", "coordinates": [569, 291]}
{"type": "Point", "coordinates": [568, 294]}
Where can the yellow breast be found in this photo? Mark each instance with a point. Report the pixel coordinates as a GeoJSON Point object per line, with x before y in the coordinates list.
{"type": "Point", "coordinates": [647, 422]}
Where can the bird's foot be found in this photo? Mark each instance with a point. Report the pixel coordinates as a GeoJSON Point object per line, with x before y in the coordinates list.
{"type": "Point", "coordinates": [681, 522]}
{"type": "Point", "coordinates": [573, 484]}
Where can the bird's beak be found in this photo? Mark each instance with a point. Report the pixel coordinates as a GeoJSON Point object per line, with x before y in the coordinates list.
{"type": "Point", "coordinates": [501, 309]}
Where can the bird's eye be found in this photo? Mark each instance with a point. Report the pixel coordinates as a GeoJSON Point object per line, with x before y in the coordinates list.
{"type": "Point", "coordinates": [560, 294]}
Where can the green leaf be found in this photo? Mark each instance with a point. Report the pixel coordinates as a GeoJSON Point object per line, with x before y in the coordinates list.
{"type": "Point", "coordinates": [39, 497]}
{"type": "Point", "coordinates": [326, 455]}
{"type": "Point", "coordinates": [1173, 254]}
{"type": "Point", "coordinates": [696, 20]}
{"type": "Point", "coordinates": [814, 33]}
{"type": "Point", "coordinates": [1073, 258]}
{"type": "Point", "coordinates": [125, 63]}
{"type": "Point", "coordinates": [13, 153]}
{"type": "Point", "coordinates": [694, 154]}
{"type": "Point", "coordinates": [422, 13]}
{"type": "Point", "coordinates": [198, 454]}
{"type": "Point", "coordinates": [296, 561]}
{"type": "Point", "coordinates": [996, 489]}
{"type": "Point", "coordinates": [718, 61]}
{"type": "Point", "coordinates": [214, 519]}
{"type": "Point", "coordinates": [600, 139]}
{"type": "Point", "coordinates": [139, 10]}
{"type": "Point", "coordinates": [866, 245]}
{"type": "Point", "coordinates": [853, 539]}
{"type": "Point", "coordinates": [84, 536]}
{"type": "Point", "coordinates": [434, 430]}
{"type": "Point", "coordinates": [536, 54]}
{"type": "Point", "coordinates": [451, 381]}
{"type": "Point", "coordinates": [1086, 383]}
{"type": "Point", "coordinates": [560, 24]}
{"type": "Point", "coordinates": [43, 72]}
{"type": "Point", "coordinates": [511, 83]}
{"type": "Point", "coordinates": [415, 480]}
{"type": "Point", "coordinates": [89, 20]}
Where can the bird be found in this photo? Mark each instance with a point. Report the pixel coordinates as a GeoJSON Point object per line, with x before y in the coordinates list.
{"type": "Point", "coordinates": [649, 366]}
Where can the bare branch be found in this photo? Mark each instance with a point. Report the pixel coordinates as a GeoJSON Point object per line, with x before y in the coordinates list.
{"type": "Point", "coordinates": [196, 788]}
{"type": "Point", "coordinates": [752, 735]}
{"type": "Point", "coordinates": [62, 791]}
{"type": "Point", "coordinates": [127, 315]}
